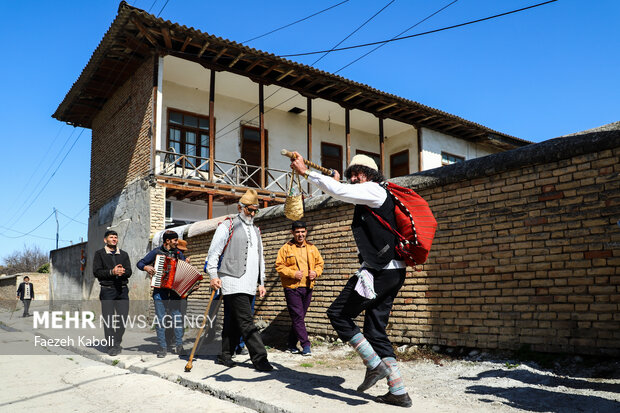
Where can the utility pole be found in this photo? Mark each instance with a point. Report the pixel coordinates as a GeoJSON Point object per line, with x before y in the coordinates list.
{"type": "Point", "coordinates": [56, 214]}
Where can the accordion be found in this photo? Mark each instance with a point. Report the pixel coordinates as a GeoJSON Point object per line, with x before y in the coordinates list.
{"type": "Point", "coordinates": [175, 275]}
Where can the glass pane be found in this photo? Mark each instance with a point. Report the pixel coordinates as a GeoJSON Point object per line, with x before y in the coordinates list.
{"type": "Point", "coordinates": [203, 124]}
{"type": "Point", "coordinates": [400, 159]}
{"type": "Point", "coordinates": [190, 150]}
{"type": "Point", "coordinates": [333, 151]}
{"type": "Point", "coordinates": [190, 137]}
{"type": "Point", "coordinates": [176, 118]}
{"type": "Point", "coordinates": [251, 134]}
{"type": "Point", "coordinates": [191, 121]}
{"type": "Point", "coordinates": [204, 140]}
{"type": "Point", "coordinates": [176, 146]}
{"type": "Point", "coordinates": [175, 134]}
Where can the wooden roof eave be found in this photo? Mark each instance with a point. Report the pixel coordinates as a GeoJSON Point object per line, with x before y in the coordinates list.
{"type": "Point", "coordinates": [134, 29]}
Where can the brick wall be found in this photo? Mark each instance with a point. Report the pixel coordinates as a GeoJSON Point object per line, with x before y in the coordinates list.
{"type": "Point", "coordinates": [527, 253]}
{"type": "Point", "coordinates": [121, 139]}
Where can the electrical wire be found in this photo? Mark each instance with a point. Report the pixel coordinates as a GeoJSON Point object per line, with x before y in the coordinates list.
{"type": "Point", "coordinates": [72, 219]}
{"type": "Point", "coordinates": [422, 33]}
{"type": "Point", "coordinates": [221, 131]}
{"type": "Point", "coordinates": [399, 34]}
{"type": "Point", "coordinates": [295, 22]}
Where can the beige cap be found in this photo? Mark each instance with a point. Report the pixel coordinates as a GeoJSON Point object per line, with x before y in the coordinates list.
{"type": "Point", "coordinates": [250, 198]}
{"type": "Point", "coordinates": [364, 160]}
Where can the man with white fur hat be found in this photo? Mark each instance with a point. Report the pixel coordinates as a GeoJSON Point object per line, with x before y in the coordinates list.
{"type": "Point", "coordinates": [381, 268]}
{"type": "Point", "coordinates": [235, 263]}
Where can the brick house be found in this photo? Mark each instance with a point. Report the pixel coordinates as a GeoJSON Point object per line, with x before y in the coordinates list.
{"type": "Point", "coordinates": [183, 122]}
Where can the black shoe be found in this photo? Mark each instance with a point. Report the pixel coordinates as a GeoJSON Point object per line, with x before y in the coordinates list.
{"type": "Point", "coordinates": [161, 353]}
{"type": "Point", "coordinates": [373, 376]}
{"type": "Point", "coordinates": [401, 400]}
{"type": "Point", "coordinates": [263, 366]}
{"type": "Point", "coordinates": [179, 350]}
{"type": "Point", "coordinates": [224, 361]}
{"type": "Point", "coordinates": [114, 351]}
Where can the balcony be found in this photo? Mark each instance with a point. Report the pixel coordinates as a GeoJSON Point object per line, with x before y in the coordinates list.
{"type": "Point", "coordinates": [188, 177]}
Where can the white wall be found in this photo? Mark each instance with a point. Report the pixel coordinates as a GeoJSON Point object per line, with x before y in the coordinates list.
{"type": "Point", "coordinates": [285, 130]}
{"type": "Point", "coordinates": [398, 143]}
{"type": "Point", "coordinates": [433, 143]}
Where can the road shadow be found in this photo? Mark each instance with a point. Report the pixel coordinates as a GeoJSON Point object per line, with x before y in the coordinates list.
{"type": "Point", "coordinates": [543, 399]}
{"type": "Point", "coordinates": [311, 384]}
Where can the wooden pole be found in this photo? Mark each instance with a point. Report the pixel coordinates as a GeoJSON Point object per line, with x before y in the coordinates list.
{"type": "Point", "coordinates": [347, 132]}
{"type": "Point", "coordinates": [381, 147]}
{"type": "Point", "coordinates": [211, 139]}
{"type": "Point", "coordinates": [309, 132]}
{"type": "Point", "coordinates": [261, 122]}
{"type": "Point", "coordinates": [420, 163]}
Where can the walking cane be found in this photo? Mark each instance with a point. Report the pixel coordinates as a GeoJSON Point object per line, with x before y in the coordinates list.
{"type": "Point", "coordinates": [188, 366]}
{"type": "Point", "coordinates": [325, 171]}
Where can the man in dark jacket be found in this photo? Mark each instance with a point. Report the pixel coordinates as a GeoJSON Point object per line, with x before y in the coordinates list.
{"type": "Point", "coordinates": [167, 303]}
{"type": "Point", "coordinates": [381, 268]}
{"type": "Point", "coordinates": [112, 268]}
{"type": "Point", "coordinates": [25, 292]}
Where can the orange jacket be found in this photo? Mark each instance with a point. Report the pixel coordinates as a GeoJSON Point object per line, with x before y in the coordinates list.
{"type": "Point", "coordinates": [287, 264]}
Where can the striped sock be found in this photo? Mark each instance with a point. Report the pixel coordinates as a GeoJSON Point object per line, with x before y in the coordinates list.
{"type": "Point", "coordinates": [395, 379]}
{"type": "Point", "coordinates": [365, 350]}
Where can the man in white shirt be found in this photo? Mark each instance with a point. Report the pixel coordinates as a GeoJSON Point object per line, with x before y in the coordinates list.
{"type": "Point", "coordinates": [235, 263]}
{"type": "Point", "coordinates": [378, 258]}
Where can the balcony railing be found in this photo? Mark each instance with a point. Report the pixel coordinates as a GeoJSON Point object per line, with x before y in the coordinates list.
{"type": "Point", "coordinates": [237, 174]}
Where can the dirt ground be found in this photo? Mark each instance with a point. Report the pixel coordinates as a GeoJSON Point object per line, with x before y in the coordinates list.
{"type": "Point", "coordinates": [473, 381]}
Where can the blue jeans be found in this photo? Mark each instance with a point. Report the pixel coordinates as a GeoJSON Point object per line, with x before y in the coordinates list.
{"type": "Point", "coordinates": [168, 314]}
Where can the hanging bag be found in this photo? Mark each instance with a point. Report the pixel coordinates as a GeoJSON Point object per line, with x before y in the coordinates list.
{"type": "Point", "coordinates": [294, 204]}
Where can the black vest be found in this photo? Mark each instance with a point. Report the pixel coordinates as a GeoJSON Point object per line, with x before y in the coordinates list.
{"type": "Point", "coordinates": [375, 242]}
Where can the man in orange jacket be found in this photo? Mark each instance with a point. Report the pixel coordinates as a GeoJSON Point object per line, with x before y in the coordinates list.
{"type": "Point", "coordinates": [299, 263]}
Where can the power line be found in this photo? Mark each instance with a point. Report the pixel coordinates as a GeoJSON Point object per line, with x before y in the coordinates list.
{"type": "Point", "coordinates": [163, 7]}
{"type": "Point", "coordinates": [399, 34]}
{"type": "Point", "coordinates": [34, 188]}
{"type": "Point", "coordinates": [280, 88]}
{"type": "Point", "coordinates": [354, 31]}
{"type": "Point", "coordinates": [72, 219]}
{"type": "Point", "coordinates": [50, 178]}
{"type": "Point", "coordinates": [29, 232]}
{"type": "Point", "coordinates": [295, 22]}
{"type": "Point", "coordinates": [421, 34]}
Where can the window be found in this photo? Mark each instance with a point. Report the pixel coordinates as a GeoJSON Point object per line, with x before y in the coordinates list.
{"type": "Point", "coordinates": [374, 156]}
{"type": "Point", "coordinates": [250, 152]}
{"type": "Point", "coordinates": [399, 164]}
{"type": "Point", "coordinates": [448, 159]}
{"type": "Point", "coordinates": [331, 156]}
{"type": "Point", "coordinates": [188, 134]}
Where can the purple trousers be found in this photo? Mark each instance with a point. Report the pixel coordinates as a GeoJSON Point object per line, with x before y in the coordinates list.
{"type": "Point", "coordinates": [297, 301]}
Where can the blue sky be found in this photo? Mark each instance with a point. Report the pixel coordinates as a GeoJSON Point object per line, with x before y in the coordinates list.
{"type": "Point", "coordinates": [536, 75]}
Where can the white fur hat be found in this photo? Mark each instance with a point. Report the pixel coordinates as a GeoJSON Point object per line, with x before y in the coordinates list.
{"type": "Point", "coordinates": [364, 160]}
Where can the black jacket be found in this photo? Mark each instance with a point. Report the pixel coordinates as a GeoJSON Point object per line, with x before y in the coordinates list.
{"type": "Point", "coordinates": [103, 263]}
{"type": "Point", "coordinates": [376, 244]}
{"type": "Point", "coordinates": [21, 290]}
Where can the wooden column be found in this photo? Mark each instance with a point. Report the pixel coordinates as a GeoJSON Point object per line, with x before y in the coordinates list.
{"type": "Point", "coordinates": [261, 123]}
{"type": "Point", "coordinates": [420, 163]}
{"type": "Point", "coordinates": [153, 130]}
{"type": "Point", "coordinates": [309, 134]}
{"type": "Point", "coordinates": [347, 132]}
{"type": "Point", "coordinates": [381, 151]}
{"type": "Point", "coordinates": [211, 139]}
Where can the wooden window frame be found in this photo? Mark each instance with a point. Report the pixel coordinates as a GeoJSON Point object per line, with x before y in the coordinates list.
{"type": "Point", "coordinates": [257, 129]}
{"type": "Point", "coordinates": [335, 145]}
{"type": "Point", "coordinates": [184, 128]}
{"type": "Point", "coordinates": [392, 156]}
{"type": "Point", "coordinates": [448, 154]}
